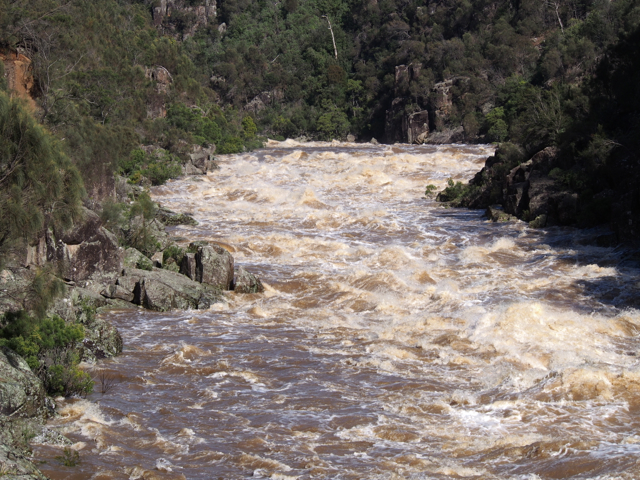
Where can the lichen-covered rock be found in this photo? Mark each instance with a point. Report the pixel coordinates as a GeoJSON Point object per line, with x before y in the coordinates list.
{"type": "Point", "coordinates": [214, 266]}
{"type": "Point", "coordinates": [163, 290]}
{"type": "Point", "coordinates": [101, 340]}
{"type": "Point", "coordinates": [117, 292]}
{"type": "Point", "coordinates": [21, 392]}
{"type": "Point", "coordinates": [496, 213]}
{"type": "Point", "coordinates": [171, 218]}
{"type": "Point", "coordinates": [246, 282]}
{"type": "Point", "coordinates": [188, 265]}
{"type": "Point", "coordinates": [16, 465]}
{"type": "Point", "coordinates": [136, 259]}
{"type": "Point", "coordinates": [88, 249]}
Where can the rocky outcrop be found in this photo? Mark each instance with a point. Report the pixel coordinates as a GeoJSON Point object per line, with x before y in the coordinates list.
{"type": "Point", "coordinates": [24, 407]}
{"type": "Point", "coordinates": [19, 75]}
{"type": "Point", "coordinates": [264, 99]}
{"type": "Point", "coordinates": [417, 127]}
{"type": "Point", "coordinates": [163, 290]}
{"type": "Point", "coordinates": [162, 79]}
{"type": "Point", "coordinates": [86, 251]}
{"type": "Point", "coordinates": [246, 282]}
{"type": "Point", "coordinates": [431, 124]}
{"type": "Point", "coordinates": [21, 392]}
{"type": "Point", "coordinates": [185, 17]}
{"type": "Point", "coordinates": [214, 266]}
{"type": "Point", "coordinates": [527, 190]}
{"type": "Point", "coordinates": [200, 161]}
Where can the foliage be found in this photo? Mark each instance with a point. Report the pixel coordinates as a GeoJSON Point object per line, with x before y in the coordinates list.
{"type": "Point", "coordinates": [49, 347]}
{"type": "Point", "coordinates": [430, 190]}
{"type": "Point", "coordinates": [453, 192]}
{"type": "Point", "coordinates": [174, 252]}
{"type": "Point", "coordinates": [69, 457]}
{"type": "Point", "coordinates": [156, 168]}
{"type": "Point", "coordinates": [39, 187]}
{"type": "Point", "coordinates": [140, 237]}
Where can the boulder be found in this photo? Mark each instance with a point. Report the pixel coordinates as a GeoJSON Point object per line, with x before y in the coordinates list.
{"type": "Point", "coordinates": [117, 292]}
{"type": "Point", "coordinates": [21, 392]}
{"type": "Point", "coordinates": [454, 135]}
{"type": "Point", "coordinates": [417, 127]}
{"type": "Point", "coordinates": [136, 259]}
{"type": "Point", "coordinates": [214, 266]}
{"type": "Point", "coordinates": [156, 259]}
{"type": "Point", "coordinates": [86, 250]}
{"type": "Point", "coordinates": [163, 290]}
{"type": "Point", "coordinates": [496, 213]}
{"type": "Point", "coordinates": [15, 462]}
{"type": "Point", "coordinates": [171, 218]}
{"type": "Point", "coordinates": [102, 340]}
{"type": "Point", "coordinates": [246, 282]}
{"type": "Point", "coordinates": [188, 265]}
{"type": "Point", "coordinates": [200, 161]}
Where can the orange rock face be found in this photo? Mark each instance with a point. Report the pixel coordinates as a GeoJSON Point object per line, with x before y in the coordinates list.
{"type": "Point", "coordinates": [19, 75]}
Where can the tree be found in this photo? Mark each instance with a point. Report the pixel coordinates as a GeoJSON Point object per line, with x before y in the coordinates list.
{"type": "Point", "coordinates": [39, 186]}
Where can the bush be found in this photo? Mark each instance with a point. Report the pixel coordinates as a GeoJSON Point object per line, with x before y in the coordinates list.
{"type": "Point", "coordinates": [159, 173]}
{"type": "Point", "coordinates": [49, 347]}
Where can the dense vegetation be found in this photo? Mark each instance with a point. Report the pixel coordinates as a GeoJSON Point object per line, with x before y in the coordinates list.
{"type": "Point", "coordinates": [49, 347]}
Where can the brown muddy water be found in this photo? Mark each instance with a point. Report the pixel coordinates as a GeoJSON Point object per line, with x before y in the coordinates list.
{"type": "Point", "coordinates": [396, 339]}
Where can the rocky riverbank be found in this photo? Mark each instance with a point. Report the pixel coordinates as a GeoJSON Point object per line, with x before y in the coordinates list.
{"type": "Point", "coordinates": [99, 273]}
{"type": "Point", "coordinates": [541, 191]}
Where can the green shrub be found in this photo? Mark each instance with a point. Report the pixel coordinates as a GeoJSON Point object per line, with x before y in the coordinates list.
{"type": "Point", "coordinates": [172, 251]}
{"type": "Point", "coordinates": [49, 347]}
{"type": "Point", "coordinates": [69, 457]}
{"type": "Point", "coordinates": [158, 173]}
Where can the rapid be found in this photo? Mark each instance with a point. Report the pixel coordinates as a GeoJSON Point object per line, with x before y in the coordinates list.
{"type": "Point", "coordinates": [396, 338]}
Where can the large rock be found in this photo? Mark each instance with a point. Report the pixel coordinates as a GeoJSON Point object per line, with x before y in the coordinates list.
{"type": "Point", "coordinates": [417, 127]}
{"type": "Point", "coordinates": [21, 392]}
{"type": "Point", "coordinates": [246, 282]}
{"type": "Point", "coordinates": [200, 161]}
{"type": "Point", "coordinates": [214, 266]}
{"type": "Point", "coordinates": [101, 340]}
{"type": "Point", "coordinates": [86, 250]}
{"type": "Point", "coordinates": [163, 290]}
{"type": "Point", "coordinates": [188, 266]}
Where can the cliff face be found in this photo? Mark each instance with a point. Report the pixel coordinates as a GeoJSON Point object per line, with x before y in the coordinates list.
{"type": "Point", "coordinates": [178, 16]}
{"type": "Point", "coordinates": [19, 75]}
{"type": "Point", "coordinates": [406, 123]}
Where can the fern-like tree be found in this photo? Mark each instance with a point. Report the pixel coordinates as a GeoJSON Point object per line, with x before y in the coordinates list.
{"type": "Point", "coordinates": [39, 186]}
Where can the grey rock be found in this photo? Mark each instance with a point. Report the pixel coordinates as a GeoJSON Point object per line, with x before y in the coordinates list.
{"type": "Point", "coordinates": [188, 265]}
{"type": "Point", "coordinates": [454, 135]}
{"type": "Point", "coordinates": [214, 266]}
{"type": "Point", "coordinates": [119, 292]}
{"type": "Point", "coordinates": [246, 282]}
{"type": "Point", "coordinates": [496, 213]}
{"type": "Point", "coordinates": [102, 340]}
{"type": "Point", "coordinates": [21, 392]}
{"type": "Point", "coordinates": [156, 259]}
{"type": "Point", "coordinates": [136, 259]}
{"type": "Point", "coordinates": [163, 290]}
{"type": "Point", "coordinates": [416, 127]}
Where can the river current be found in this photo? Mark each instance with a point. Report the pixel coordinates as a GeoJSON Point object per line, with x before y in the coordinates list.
{"type": "Point", "coordinates": [396, 338]}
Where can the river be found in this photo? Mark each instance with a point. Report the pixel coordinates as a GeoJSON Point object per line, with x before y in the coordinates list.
{"type": "Point", "coordinates": [396, 338]}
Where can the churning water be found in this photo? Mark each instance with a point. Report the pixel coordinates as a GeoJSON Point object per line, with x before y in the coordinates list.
{"type": "Point", "coordinates": [396, 339]}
